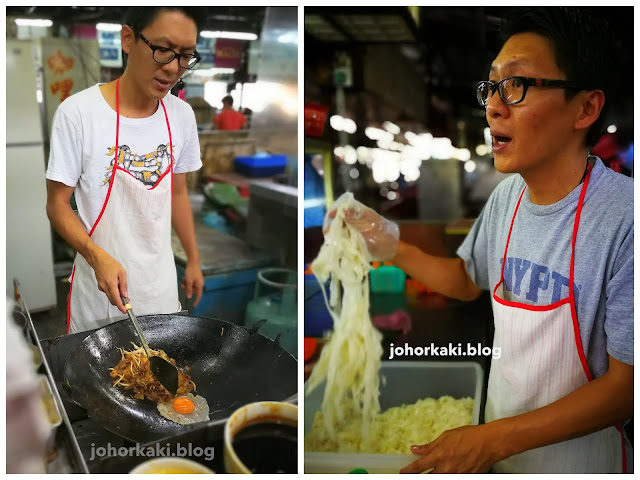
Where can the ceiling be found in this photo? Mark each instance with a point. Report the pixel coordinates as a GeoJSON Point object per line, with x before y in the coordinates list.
{"type": "Point", "coordinates": [451, 47]}
{"type": "Point", "coordinates": [239, 19]}
{"type": "Point", "coordinates": [359, 25]}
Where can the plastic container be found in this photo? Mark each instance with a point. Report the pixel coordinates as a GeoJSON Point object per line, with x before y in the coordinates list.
{"type": "Point", "coordinates": [260, 165]}
{"type": "Point", "coordinates": [387, 279]}
{"type": "Point", "coordinates": [406, 383]}
{"type": "Point", "coordinates": [225, 295]}
{"type": "Point", "coordinates": [275, 300]}
{"type": "Point", "coordinates": [170, 465]}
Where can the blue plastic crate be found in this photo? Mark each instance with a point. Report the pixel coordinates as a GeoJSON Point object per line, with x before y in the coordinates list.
{"type": "Point", "coordinates": [260, 165]}
{"type": "Point", "coordinates": [225, 296]}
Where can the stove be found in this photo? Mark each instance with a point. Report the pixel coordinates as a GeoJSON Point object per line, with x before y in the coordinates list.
{"type": "Point", "coordinates": [101, 451]}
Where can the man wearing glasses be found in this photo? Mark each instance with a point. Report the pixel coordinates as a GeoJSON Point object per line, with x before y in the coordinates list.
{"type": "Point", "coordinates": [124, 149]}
{"type": "Point", "coordinates": [554, 245]}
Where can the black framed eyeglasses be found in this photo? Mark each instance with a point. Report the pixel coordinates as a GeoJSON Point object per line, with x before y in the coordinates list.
{"type": "Point", "coordinates": [512, 90]}
{"type": "Point", "coordinates": [166, 55]}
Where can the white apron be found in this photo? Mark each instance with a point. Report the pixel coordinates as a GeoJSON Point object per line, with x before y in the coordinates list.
{"type": "Point", "coordinates": [134, 227]}
{"type": "Point", "coordinates": [543, 361]}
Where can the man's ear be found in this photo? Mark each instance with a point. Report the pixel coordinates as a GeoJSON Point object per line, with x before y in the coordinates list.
{"type": "Point", "coordinates": [591, 104]}
{"type": "Point", "coordinates": [127, 38]}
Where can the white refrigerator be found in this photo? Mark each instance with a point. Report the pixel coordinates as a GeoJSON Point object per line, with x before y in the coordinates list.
{"type": "Point", "coordinates": [29, 246]}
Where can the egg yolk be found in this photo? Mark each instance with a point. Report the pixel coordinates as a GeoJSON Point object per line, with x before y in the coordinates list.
{"type": "Point", "coordinates": [183, 405]}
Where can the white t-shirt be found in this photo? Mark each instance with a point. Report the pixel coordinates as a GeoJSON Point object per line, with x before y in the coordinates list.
{"type": "Point", "coordinates": [83, 139]}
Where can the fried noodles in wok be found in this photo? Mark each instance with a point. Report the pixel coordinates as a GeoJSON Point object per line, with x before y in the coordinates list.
{"type": "Point", "coordinates": [133, 372]}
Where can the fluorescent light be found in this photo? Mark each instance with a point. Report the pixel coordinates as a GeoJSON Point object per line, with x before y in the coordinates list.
{"type": "Point", "coordinates": [470, 166]}
{"type": "Point", "coordinates": [33, 22]}
{"type": "Point", "coordinates": [109, 27]}
{"type": "Point", "coordinates": [482, 149]}
{"type": "Point", "coordinates": [462, 154]}
{"type": "Point", "coordinates": [336, 122]}
{"type": "Point", "coordinates": [349, 126]}
{"type": "Point", "coordinates": [373, 133]}
{"type": "Point", "coordinates": [391, 127]}
{"type": "Point", "coordinates": [291, 37]}
{"type": "Point", "coordinates": [487, 137]}
{"type": "Point", "coordinates": [210, 72]}
{"type": "Point", "coordinates": [341, 124]}
{"type": "Point", "coordinates": [232, 35]}
{"type": "Point", "coordinates": [350, 155]}
{"type": "Point", "coordinates": [612, 129]}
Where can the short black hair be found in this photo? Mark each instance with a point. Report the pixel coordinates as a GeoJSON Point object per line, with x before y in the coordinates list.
{"type": "Point", "coordinates": [582, 44]}
{"type": "Point", "coordinates": [228, 100]}
{"type": "Point", "coordinates": [139, 18]}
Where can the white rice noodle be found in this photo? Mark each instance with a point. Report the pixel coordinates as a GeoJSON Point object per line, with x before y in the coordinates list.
{"type": "Point", "coordinates": [350, 361]}
{"type": "Point", "coordinates": [395, 430]}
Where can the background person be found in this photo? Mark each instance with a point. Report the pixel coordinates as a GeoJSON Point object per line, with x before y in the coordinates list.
{"type": "Point", "coordinates": [228, 118]}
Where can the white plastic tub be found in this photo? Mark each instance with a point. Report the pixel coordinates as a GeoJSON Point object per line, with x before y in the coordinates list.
{"type": "Point", "coordinates": [406, 383]}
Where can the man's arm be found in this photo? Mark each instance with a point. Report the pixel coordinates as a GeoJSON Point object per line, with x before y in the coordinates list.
{"type": "Point", "coordinates": [447, 276]}
{"type": "Point", "coordinates": [182, 220]}
{"type": "Point", "coordinates": [605, 401]}
{"type": "Point", "coordinates": [111, 276]}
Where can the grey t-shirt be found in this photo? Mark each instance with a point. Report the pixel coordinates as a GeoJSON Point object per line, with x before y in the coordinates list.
{"type": "Point", "coordinates": [538, 259]}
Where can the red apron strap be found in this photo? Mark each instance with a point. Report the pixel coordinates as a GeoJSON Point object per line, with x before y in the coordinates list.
{"type": "Point", "coordinates": [504, 258]}
{"type": "Point", "coordinates": [170, 145]}
{"type": "Point", "coordinates": [572, 300]}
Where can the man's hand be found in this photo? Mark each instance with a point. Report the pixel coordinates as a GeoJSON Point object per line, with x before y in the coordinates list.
{"type": "Point", "coordinates": [111, 277]}
{"type": "Point", "coordinates": [381, 236]}
{"type": "Point", "coordinates": [193, 281]}
{"type": "Point", "coordinates": [467, 449]}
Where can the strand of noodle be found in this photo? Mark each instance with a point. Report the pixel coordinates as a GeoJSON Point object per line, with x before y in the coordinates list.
{"type": "Point", "coordinates": [350, 361]}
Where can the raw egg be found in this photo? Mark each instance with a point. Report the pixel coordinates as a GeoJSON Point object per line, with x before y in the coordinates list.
{"type": "Point", "coordinates": [185, 409]}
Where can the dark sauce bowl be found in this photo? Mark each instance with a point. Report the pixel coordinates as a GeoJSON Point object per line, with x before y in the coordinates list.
{"type": "Point", "coordinates": [262, 437]}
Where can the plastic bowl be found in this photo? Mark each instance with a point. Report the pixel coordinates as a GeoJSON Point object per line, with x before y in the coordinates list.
{"type": "Point", "coordinates": [170, 465]}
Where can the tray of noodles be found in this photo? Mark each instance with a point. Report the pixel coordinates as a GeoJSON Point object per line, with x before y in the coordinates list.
{"type": "Point", "coordinates": [437, 396]}
{"type": "Point", "coordinates": [361, 413]}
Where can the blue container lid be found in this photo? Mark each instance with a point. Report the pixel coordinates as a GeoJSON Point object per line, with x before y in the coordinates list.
{"type": "Point", "coordinates": [263, 161]}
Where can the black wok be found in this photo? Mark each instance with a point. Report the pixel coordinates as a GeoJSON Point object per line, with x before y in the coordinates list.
{"type": "Point", "coordinates": [230, 365]}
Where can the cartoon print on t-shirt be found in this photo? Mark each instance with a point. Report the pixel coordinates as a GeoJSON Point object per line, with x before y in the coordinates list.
{"type": "Point", "coordinates": [147, 168]}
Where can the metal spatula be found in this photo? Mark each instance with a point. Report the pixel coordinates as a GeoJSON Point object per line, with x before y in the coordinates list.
{"type": "Point", "coordinates": [164, 372]}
